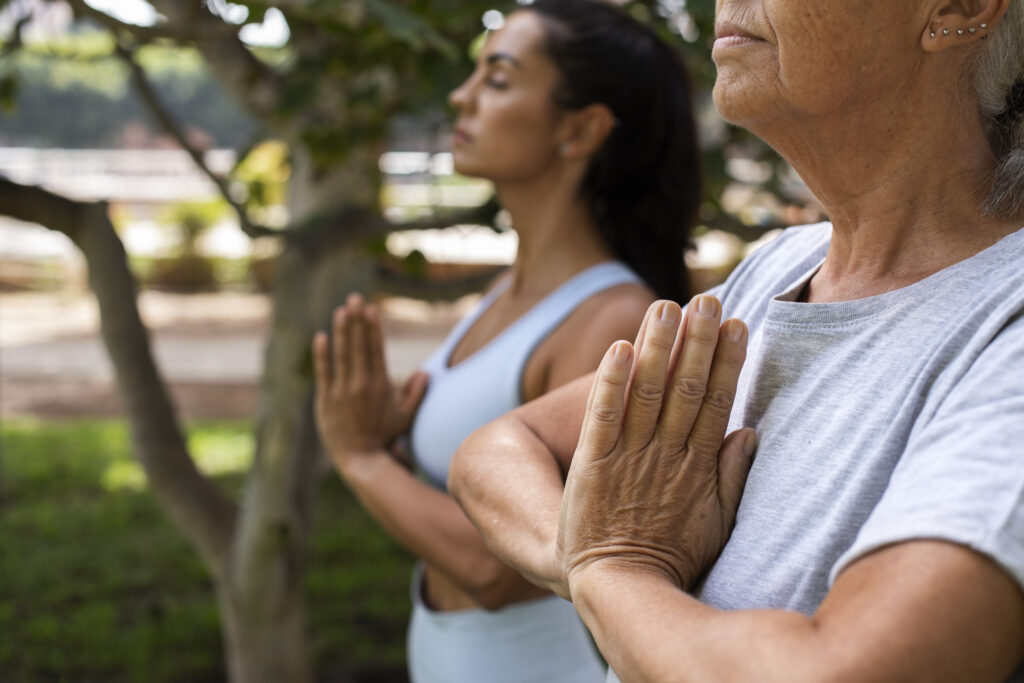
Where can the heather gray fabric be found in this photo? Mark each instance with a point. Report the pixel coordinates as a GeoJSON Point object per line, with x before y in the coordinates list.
{"type": "Point", "coordinates": [885, 419]}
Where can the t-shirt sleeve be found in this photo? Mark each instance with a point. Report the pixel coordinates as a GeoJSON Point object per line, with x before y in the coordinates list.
{"type": "Point", "coordinates": [961, 477]}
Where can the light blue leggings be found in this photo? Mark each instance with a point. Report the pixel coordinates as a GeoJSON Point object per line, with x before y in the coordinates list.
{"type": "Point", "coordinates": [539, 641]}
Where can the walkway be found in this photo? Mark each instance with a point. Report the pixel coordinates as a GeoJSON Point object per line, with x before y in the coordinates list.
{"type": "Point", "coordinates": [209, 347]}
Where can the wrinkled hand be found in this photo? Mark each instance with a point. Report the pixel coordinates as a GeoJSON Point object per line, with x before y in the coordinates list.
{"type": "Point", "coordinates": [654, 485]}
{"type": "Point", "coordinates": [357, 410]}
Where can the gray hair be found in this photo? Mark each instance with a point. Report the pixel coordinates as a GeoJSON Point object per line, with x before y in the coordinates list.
{"type": "Point", "coordinates": [999, 84]}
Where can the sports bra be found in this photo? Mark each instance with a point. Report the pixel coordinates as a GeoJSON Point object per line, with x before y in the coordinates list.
{"type": "Point", "coordinates": [488, 384]}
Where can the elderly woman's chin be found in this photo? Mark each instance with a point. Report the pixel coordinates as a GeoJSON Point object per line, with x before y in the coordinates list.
{"type": "Point", "coordinates": [740, 102]}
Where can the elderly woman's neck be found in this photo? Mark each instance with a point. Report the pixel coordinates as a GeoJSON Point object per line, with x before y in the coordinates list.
{"type": "Point", "coordinates": [897, 201]}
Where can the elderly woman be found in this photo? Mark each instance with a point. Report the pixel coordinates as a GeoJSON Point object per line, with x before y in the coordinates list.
{"type": "Point", "coordinates": [880, 535]}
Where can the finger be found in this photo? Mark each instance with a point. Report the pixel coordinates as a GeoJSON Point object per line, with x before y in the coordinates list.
{"type": "Point", "coordinates": [688, 384]}
{"type": "Point", "coordinates": [677, 345]}
{"type": "Point", "coordinates": [603, 422]}
{"type": "Point", "coordinates": [378, 361]}
{"type": "Point", "coordinates": [357, 360]}
{"type": "Point", "coordinates": [413, 392]}
{"type": "Point", "coordinates": [321, 363]}
{"type": "Point", "coordinates": [641, 334]}
{"type": "Point", "coordinates": [647, 389]}
{"type": "Point", "coordinates": [733, 466]}
{"type": "Point", "coordinates": [339, 345]}
{"type": "Point", "coordinates": [708, 430]}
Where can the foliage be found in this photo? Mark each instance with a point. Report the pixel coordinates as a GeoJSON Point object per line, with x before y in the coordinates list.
{"type": "Point", "coordinates": [97, 585]}
{"type": "Point", "coordinates": [75, 93]}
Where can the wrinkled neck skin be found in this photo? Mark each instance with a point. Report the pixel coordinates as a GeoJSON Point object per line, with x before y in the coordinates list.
{"type": "Point", "coordinates": [557, 235]}
{"type": "Point", "coordinates": [901, 177]}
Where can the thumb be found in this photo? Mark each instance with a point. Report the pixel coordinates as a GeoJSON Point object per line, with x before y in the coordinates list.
{"type": "Point", "coordinates": [733, 466]}
{"type": "Point", "coordinates": [413, 392]}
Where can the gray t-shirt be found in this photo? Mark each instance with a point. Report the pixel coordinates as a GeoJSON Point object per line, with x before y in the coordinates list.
{"type": "Point", "coordinates": [885, 419]}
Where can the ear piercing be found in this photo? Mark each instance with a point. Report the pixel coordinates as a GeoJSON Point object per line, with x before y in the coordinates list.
{"type": "Point", "coordinates": [970, 31]}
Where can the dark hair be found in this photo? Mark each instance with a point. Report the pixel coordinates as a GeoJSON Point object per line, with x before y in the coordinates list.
{"type": "Point", "coordinates": [643, 186]}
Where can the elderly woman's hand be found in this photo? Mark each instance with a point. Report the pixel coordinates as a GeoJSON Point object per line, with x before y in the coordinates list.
{"type": "Point", "coordinates": [654, 485]}
{"type": "Point", "coordinates": [357, 410]}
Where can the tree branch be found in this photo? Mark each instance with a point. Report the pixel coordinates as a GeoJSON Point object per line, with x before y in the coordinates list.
{"type": "Point", "coordinates": [201, 511]}
{"type": "Point", "coordinates": [152, 101]}
{"type": "Point", "coordinates": [351, 223]}
{"type": "Point", "coordinates": [139, 33]}
{"type": "Point", "coordinates": [248, 79]}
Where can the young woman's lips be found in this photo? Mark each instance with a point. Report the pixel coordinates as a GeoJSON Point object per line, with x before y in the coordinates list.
{"type": "Point", "coordinates": [461, 137]}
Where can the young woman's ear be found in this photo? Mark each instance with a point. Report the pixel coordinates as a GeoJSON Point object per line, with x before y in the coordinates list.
{"type": "Point", "coordinates": [585, 131]}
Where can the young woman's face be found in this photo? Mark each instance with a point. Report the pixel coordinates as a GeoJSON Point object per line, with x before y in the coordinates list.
{"type": "Point", "coordinates": [507, 122]}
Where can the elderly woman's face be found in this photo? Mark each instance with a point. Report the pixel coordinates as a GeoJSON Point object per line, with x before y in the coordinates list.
{"type": "Point", "coordinates": [784, 60]}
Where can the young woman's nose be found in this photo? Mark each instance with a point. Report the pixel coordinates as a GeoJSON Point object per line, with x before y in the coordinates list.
{"type": "Point", "coordinates": [460, 98]}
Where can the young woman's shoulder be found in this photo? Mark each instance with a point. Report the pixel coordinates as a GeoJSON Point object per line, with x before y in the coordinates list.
{"type": "Point", "coordinates": [576, 346]}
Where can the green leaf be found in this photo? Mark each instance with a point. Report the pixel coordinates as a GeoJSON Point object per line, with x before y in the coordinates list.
{"type": "Point", "coordinates": [410, 28]}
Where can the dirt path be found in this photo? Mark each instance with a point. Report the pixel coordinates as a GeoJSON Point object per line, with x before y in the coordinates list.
{"type": "Point", "coordinates": [209, 348]}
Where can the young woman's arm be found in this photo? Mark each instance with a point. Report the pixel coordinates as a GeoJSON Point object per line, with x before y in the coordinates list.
{"type": "Point", "coordinates": [358, 417]}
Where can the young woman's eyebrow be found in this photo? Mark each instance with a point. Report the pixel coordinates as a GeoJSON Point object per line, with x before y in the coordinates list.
{"type": "Point", "coordinates": [503, 57]}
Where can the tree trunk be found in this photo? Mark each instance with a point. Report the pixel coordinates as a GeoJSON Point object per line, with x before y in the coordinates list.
{"type": "Point", "coordinates": [262, 600]}
{"type": "Point", "coordinates": [264, 639]}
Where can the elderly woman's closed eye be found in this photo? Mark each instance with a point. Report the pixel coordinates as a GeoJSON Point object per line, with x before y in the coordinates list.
{"type": "Point", "coordinates": [879, 533]}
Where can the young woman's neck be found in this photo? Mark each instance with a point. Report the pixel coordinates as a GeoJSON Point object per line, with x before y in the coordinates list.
{"type": "Point", "coordinates": [557, 236]}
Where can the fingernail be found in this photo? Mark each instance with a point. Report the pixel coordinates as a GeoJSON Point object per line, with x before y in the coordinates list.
{"type": "Point", "coordinates": [620, 353]}
{"type": "Point", "coordinates": [669, 313]}
{"type": "Point", "coordinates": [750, 444]}
{"type": "Point", "coordinates": [734, 330]}
{"type": "Point", "coordinates": [707, 306]}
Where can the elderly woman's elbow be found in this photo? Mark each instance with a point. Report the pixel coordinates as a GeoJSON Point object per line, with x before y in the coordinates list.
{"type": "Point", "coordinates": [464, 471]}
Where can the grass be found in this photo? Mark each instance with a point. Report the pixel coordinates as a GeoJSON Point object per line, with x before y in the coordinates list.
{"type": "Point", "coordinates": [96, 585]}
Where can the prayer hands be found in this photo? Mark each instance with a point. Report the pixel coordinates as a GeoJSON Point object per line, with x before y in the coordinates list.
{"type": "Point", "coordinates": [653, 484]}
{"type": "Point", "coordinates": [357, 410]}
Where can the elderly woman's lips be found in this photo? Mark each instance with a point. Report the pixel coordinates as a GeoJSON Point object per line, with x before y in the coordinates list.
{"type": "Point", "coordinates": [730, 35]}
{"type": "Point", "coordinates": [728, 41]}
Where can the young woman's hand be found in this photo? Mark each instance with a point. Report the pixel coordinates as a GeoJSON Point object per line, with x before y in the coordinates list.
{"type": "Point", "coordinates": [357, 410]}
{"type": "Point", "coordinates": [654, 483]}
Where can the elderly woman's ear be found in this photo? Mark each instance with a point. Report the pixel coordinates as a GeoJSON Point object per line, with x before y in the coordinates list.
{"type": "Point", "coordinates": [956, 22]}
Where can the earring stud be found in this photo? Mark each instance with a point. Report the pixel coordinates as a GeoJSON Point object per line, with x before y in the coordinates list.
{"type": "Point", "coordinates": [984, 25]}
{"type": "Point", "coordinates": [970, 30]}
{"type": "Point", "coordinates": [959, 31]}
{"type": "Point", "coordinates": [945, 31]}
{"type": "Point", "coordinates": [933, 34]}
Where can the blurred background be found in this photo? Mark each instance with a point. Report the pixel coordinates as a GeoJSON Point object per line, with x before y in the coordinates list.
{"type": "Point", "coordinates": [187, 188]}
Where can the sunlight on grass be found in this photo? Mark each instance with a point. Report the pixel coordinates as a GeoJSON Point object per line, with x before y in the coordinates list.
{"type": "Point", "coordinates": [123, 475]}
{"type": "Point", "coordinates": [222, 449]}
{"type": "Point", "coordinates": [216, 450]}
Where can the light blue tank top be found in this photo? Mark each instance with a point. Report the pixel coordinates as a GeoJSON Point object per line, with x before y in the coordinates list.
{"type": "Point", "coordinates": [488, 384]}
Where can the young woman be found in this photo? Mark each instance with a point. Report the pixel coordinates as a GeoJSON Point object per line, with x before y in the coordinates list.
{"type": "Point", "coordinates": [580, 116]}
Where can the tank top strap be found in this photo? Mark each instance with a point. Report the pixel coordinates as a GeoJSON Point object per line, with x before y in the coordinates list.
{"type": "Point", "coordinates": [543, 318]}
{"type": "Point", "coordinates": [438, 360]}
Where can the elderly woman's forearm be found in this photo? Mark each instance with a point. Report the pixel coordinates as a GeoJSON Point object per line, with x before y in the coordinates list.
{"type": "Point", "coordinates": [917, 611]}
{"type": "Point", "coordinates": [510, 486]}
